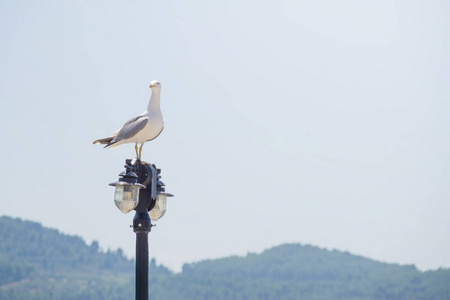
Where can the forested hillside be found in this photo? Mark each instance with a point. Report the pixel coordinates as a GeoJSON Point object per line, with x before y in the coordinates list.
{"type": "Point", "coordinates": [294, 271]}
{"type": "Point", "coordinates": [40, 263]}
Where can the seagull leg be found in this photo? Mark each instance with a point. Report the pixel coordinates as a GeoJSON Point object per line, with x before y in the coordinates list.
{"type": "Point", "coordinates": [136, 149]}
{"type": "Point", "coordinates": [140, 150]}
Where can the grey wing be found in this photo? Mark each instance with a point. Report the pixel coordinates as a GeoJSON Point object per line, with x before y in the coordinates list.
{"type": "Point", "coordinates": [131, 128]}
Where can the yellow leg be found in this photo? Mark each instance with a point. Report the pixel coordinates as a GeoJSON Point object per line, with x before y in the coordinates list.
{"type": "Point", "coordinates": [140, 150]}
{"type": "Point", "coordinates": [135, 148]}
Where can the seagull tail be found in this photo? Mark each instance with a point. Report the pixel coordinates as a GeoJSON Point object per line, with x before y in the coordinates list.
{"type": "Point", "coordinates": [112, 145]}
{"type": "Point", "coordinates": [106, 141]}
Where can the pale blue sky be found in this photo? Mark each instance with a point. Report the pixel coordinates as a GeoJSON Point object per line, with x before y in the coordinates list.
{"type": "Point", "coordinates": [318, 122]}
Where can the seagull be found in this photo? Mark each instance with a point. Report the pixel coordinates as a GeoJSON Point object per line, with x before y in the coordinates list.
{"type": "Point", "coordinates": [142, 128]}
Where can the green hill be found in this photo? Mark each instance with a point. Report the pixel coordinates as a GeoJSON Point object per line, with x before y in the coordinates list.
{"type": "Point", "coordinates": [294, 271]}
{"type": "Point", "coordinates": [41, 263]}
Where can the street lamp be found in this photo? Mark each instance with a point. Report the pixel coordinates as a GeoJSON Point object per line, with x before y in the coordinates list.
{"type": "Point", "coordinates": [126, 196]}
{"type": "Point", "coordinates": [161, 199]}
{"type": "Point", "coordinates": [140, 188]}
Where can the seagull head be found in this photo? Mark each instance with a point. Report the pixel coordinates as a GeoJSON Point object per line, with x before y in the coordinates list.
{"type": "Point", "coordinates": [155, 84]}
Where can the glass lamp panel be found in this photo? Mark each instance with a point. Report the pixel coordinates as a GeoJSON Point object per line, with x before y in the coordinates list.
{"type": "Point", "coordinates": [160, 207]}
{"type": "Point", "coordinates": [126, 197]}
{"type": "Point", "coordinates": [162, 200]}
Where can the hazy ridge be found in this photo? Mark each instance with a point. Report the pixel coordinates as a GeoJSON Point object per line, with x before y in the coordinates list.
{"type": "Point", "coordinates": [42, 263]}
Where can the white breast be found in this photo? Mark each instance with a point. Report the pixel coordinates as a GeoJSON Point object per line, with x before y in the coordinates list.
{"type": "Point", "coordinates": [151, 130]}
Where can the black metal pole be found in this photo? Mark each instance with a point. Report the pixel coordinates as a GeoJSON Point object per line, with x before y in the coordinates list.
{"type": "Point", "coordinates": [142, 226]}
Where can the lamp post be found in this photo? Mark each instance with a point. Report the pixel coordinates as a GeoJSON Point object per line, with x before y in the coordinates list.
{"type": "Point", "coordinates": [140, 188]}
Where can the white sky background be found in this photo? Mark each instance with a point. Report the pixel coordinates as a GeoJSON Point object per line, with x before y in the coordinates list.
{"type": "Point", "coordinates": [318, 122]}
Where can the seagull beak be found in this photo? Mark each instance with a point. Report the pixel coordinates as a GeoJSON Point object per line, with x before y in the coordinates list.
{"type": "Point", "coordinates": [151, 85]}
